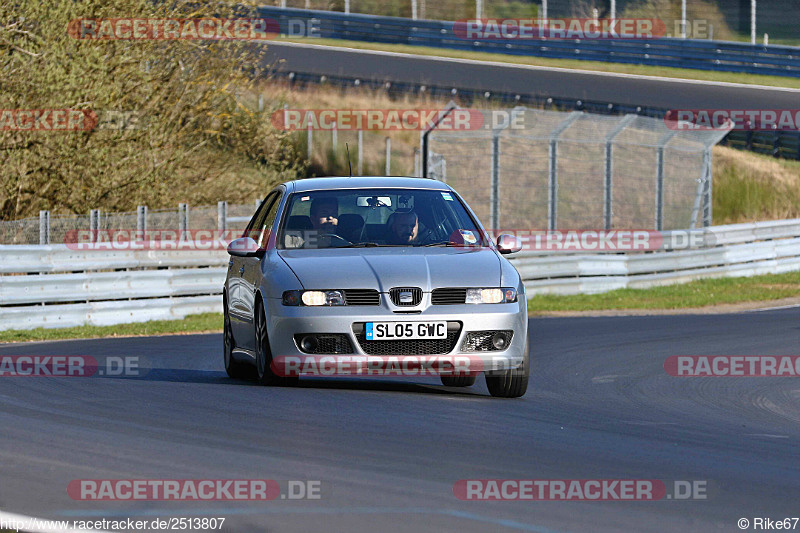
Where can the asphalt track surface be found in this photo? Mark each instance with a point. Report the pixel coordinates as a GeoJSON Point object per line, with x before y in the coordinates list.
{"type": "Point", "coordinates": [664, 93]}
{"type": "Point", "coordinates": [388, 451]}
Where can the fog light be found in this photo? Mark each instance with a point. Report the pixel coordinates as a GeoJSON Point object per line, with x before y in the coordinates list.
{"type": "Point", "coordinates": [308, 343]}
{"type": "Point", "coordinates": [499, 341]}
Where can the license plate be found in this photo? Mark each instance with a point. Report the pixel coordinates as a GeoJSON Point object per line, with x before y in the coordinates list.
{"type": "Point", "coordinates": [387, 331]}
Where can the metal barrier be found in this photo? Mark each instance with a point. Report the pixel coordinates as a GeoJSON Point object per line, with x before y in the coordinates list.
{"type": "Point", "coordinates": [54, 286]}
{"type": "Point", "coordinates": [682, 53]}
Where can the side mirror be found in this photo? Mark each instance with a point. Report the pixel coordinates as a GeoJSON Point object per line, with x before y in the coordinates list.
{"type": "Point", "coordinates": [244, 247]}
{"type": "Point", "coordinates": [508, 244]}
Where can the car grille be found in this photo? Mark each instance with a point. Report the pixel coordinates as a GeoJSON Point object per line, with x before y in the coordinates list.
{"type": "Point", "coordinates": [481, 341]}
{"type": "Point", "coordinates": [362, 297]}
{"type": "Point", "coordinates": [416, 295]}
{"type": "Point", "coordinates": [409, 347]}
{"type": "Point", "coordinates": [448, 296]}
{"type": "Point", "coordinates": [327, 343]}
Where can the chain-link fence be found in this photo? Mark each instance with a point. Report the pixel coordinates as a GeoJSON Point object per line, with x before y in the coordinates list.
{"type": "Point", "coordinates": [727, 20]}
{"type": "Point", "coordinates": [556, 170]}
{"type": "Point", "coordinates": [59, 229]}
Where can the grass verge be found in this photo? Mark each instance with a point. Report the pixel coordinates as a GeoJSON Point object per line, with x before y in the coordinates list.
{"type": "Point", "coordinates": [206, 322]}
{"type": "Point", "coordinates": [622, 68]}
{"type": "Point", "coordinates": [695, 294]}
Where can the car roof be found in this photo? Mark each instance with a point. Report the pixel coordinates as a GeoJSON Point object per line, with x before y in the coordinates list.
{"type": "Point", "coordinates": [365, 182]}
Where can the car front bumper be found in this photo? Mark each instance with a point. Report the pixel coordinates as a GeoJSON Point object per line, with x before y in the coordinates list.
{"type": "Point", "coordinates": [284, 322]}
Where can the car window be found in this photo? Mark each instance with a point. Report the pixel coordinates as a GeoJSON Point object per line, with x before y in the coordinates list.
{"type": "Point", "coordinates": [376, 217]}
{"type": "Point", "coordinates": [258, 218]}
{"type": "Point", "coordinates": [265, 225]}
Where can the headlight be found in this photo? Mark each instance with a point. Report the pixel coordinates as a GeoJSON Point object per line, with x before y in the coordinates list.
{"type": "Point", "coordinates": [313, 298]}
{"type": "Point", "coordinates": [491, 296]}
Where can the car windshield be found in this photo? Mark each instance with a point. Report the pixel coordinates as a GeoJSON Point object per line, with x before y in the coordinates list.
{"type": "Point", "coordinates": [361, 218]}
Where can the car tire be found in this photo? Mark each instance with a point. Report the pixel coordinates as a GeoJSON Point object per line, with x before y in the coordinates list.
{"type": "Point", "coordinates": [264, 373]}
{"type": "Point", "coordinates": [458, 381]}
{"type": "Point", "coordinates": [511, 383]}
{"type": "Point", "coordinates": [235, 369]}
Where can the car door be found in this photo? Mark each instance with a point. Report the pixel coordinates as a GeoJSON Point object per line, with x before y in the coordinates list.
{"type": "Point", "coordinates": [240, 320]}
{"type": "Point", "coordinates": [251, 266]}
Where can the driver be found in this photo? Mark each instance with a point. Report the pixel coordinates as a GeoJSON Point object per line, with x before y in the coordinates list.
{"type": "Point", "coordinates": [403, 228]}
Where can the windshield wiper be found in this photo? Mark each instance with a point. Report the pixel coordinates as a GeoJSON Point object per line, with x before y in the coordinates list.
{"type": "Point", "coordinates": [444, 243]}
{"type": "Point", "coordinates": [364, 245]}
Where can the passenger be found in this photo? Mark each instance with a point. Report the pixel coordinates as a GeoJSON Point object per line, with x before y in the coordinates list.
{"type": "Point", "coordinates": [324, 221]}
{"type": "Point", "coordinates": [325, 214]}
{"type": "Point", "coordinates": [403, 228]}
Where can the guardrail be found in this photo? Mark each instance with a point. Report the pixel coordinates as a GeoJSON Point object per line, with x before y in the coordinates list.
{"type": "Point", "coordinates": [55, 286]}
{"type": "Point", "coordinates": [723, 56]}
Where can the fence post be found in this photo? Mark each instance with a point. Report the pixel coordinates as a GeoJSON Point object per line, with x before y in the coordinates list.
{"type": "Point", "coordinates": [388, 156]}
{"type": "Point", "coordinates": [141, 221]}
{"type": "Point", "coordinates": [222, 215]}
{"type": "Point", "coordinates": [360, 153]}
{"type": "Point", "coordinates": [683, 19]}
{"type": "Point", "coordinates": [423, 139]}
{"type": "Point", "coordinates": [662, 142]}
{"type": "Point", "coordinates": [698, 196]}
{"type": "Point", "coordinates": [183, 218]}
{"type": "Point", "coordinates": [94, 224]}
{"type": "Point", "coordinates": [552, 181]}
{"type": "Point", "coordinates": [414, 9]}
{"type": "Point", "coordinates": [417, 172]}
{"type": "Point", "coordinates": [707, 204]}
{"type": "Point", "coordinates": [660, 188]}
{"type": "Point", "coordinates": [347, 6]}
{"type": "Point", "coordinates": [335, 136]}
{"type": "Point", "coordinates": [608, 182]}
{"type": "Point", "coordinates": [44, 227]}
{"type": "Point", "coordinates": [494, 195]}
{"type": "Point", "coordinates": [310, 139]}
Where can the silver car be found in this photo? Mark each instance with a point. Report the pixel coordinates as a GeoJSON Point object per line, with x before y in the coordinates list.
{"type": "Point", "coordinates": [374, 268]}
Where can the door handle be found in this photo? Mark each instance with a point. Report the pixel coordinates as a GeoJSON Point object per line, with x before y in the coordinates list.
{"type": "Point", "coordinates": [241, 270]}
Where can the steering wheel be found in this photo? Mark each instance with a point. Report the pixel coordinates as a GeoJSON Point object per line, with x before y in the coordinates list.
{"type": "Point", "coordinates": [427, 237]}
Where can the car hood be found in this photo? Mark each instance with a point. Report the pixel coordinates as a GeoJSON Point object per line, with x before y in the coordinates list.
{"type": "Point", "coordinates": [384, 268]}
